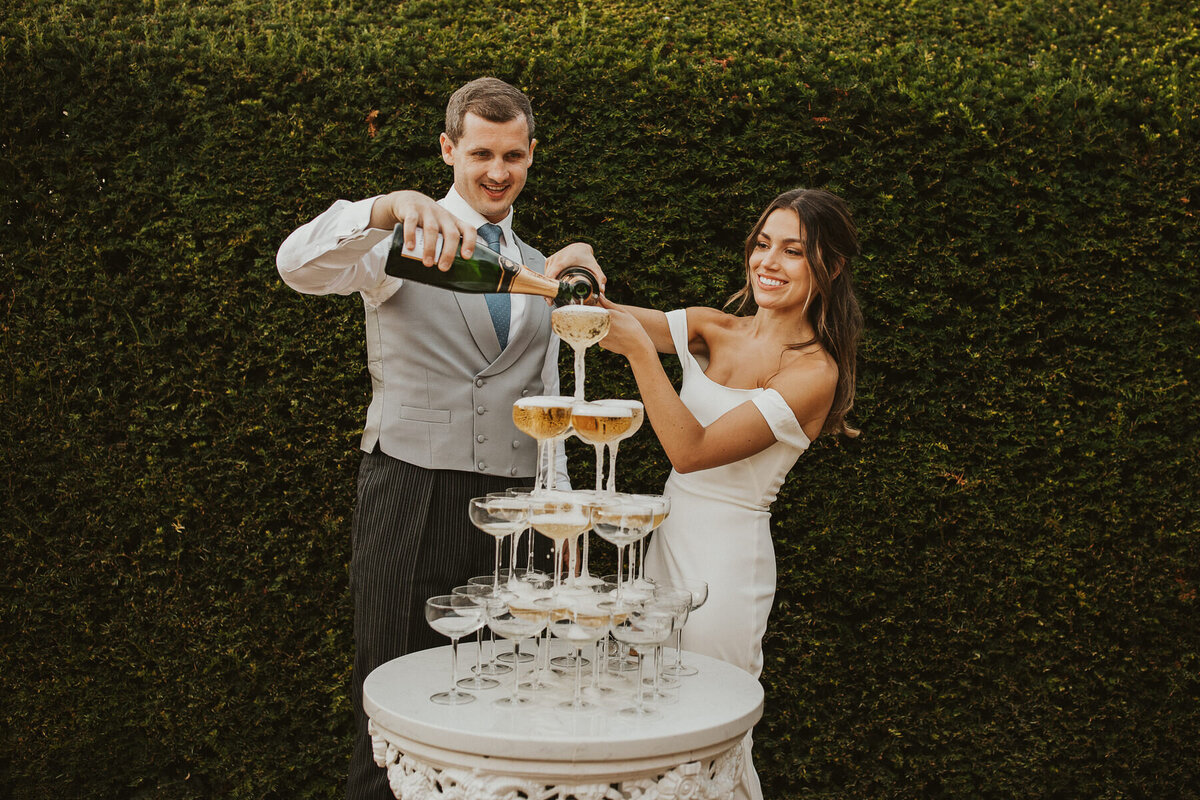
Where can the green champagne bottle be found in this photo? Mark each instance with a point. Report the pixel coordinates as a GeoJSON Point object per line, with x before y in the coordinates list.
{"type": "Point", "coordinates": [486, 271]}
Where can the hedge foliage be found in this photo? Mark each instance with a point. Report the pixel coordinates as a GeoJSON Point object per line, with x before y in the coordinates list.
{"type": "Point", "coordinates": [992, 593]}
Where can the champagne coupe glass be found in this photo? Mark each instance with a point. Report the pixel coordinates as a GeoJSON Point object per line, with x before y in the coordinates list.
{"type": "Point", "coordinates": [598, 424]}
{"type": "Point", "coordinates": [699, 592]}
{"type": "Point", "coordinates": [584, 623]}
{"type": "Point", "coordinates": [605, 600]}
{"type": "Point", "coordinates": [523, 492]}
{"type": "Point", "coordinates": [585, 579]}
{"type": "Point", "coordinates": [478, 595]}
{"type": "Point", "coordinates": [559, 516]}
{"type": "Point", "coordinates": [676, 602]}
{"type": "Point", "coordinates": [492, 667]}
{"type": "Point", "coordinates": [498, 517]}
{"type": "Point", "coordinates": [516, 618]}
{"type": "Point", "coordinates": [622, 520]}
{"type": "Point", "coordinates": [454, 617]}
{"type": "Point", "coordinates": [525, 588]}
{"type": "Point", "coordinates": [644, 626]}
{"type": "Point", "coordinates": [662, 508]}
{"type": "Point", "coordinates": [545, 418]}
{"type": "Point", "coordinates": [639, 415]}
{"type": "Point", "coordinates": [580, 326]}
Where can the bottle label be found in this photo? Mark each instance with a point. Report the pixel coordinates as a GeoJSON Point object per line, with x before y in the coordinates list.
{"type": "Point", "coordinates": [417, 251]}
{"type": "Point", "coordinates": [509, 270]}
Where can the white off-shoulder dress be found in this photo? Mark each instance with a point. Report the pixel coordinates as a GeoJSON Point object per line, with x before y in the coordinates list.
{"type": "Point", "coordinates": [719, 526]}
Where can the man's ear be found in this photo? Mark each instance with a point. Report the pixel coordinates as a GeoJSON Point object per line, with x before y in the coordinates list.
{"type": "Point", "coordinates": [447, 145]}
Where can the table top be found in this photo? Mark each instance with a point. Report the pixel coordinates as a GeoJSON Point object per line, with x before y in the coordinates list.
{"type": "Point", "coordinates": [716, 705]}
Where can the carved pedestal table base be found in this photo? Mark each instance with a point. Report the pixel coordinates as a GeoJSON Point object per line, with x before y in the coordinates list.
{"type": "Point", "coordinates": [691, 750]}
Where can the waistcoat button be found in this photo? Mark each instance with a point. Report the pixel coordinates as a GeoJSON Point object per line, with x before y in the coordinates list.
{"type": "Point", "coordinates": [480, 410]}
{"type": "Point", "coordinates": [513, 471]}
{"type": "Point", "coordinates": [516, 444]}
{"type": "Point", "coordinates": [479, 381]}
{"type": "Point", "coordinates": [482, 465]}
{"type": "Point", "coordinates": [481, 438]}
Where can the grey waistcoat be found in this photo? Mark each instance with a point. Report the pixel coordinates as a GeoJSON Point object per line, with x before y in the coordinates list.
{"type": "Point", "coordinates": [441, 389]}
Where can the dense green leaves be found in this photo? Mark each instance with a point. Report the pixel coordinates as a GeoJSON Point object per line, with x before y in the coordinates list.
{"type": "Point", "coordinates": [991, 593]}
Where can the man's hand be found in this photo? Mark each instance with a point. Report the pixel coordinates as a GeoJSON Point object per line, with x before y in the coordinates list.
{"type": "Point", "coordinates": [415, 210]}
{"type": "Point", "coordinates": [578, 254]}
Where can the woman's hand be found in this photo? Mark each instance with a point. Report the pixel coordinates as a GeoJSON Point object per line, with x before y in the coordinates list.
{"type": "Point", "coordinates": [626, 336]}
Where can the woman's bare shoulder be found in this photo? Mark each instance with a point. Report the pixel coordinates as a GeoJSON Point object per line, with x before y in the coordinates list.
{"type": "Point", "coordinates": [807, 380]}
{"type": "Point", "coordinates": [703, 319]}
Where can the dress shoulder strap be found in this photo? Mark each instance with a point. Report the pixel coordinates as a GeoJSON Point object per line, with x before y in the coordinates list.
{"type": "Point", "coordinates": [781, 419]}
{"type": "Point", "coordinates": [677, 322]}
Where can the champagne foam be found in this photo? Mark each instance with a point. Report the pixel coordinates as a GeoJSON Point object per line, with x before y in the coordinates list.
{"type": "Point", "coordinates": [545, 401]}
{"type": "Point", "coordinates": [599, 409]}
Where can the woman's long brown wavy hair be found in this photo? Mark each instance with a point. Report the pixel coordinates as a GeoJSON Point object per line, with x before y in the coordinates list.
{"type": "Point", "coordinates": [830, 245]}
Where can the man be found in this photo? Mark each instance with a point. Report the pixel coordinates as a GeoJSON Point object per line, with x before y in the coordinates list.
{"type": "Point", "coordinates": [445, 370]}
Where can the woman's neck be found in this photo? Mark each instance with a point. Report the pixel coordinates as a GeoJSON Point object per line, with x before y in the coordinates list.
{"type": "Point", "coordinates": [781, 327]}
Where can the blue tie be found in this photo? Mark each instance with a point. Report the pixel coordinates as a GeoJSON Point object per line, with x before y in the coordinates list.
{"type": "Point", "coordinates": [499, 305]}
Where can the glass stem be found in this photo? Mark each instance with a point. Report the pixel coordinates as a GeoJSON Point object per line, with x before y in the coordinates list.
{"type": "Point", "coordinates": [496, 568]}
{"type": "Point", "coordinates": [578, 677]}
{"type": "Point", "coordinates": [539, 472]}
{"type": "Point", "coordinates": [617, 593]}
{"type": "Point", "coordinates": [516, 692]}
{"type": "Point", "coordinates": [551, 471]}
{"type": "Point", "coordinates": [557, 563]}
{"type": "Point", "coordinates": [599, 466]}
{"type": "Point", "coordinates": [579, 373]}
{"type": "Point", "coordinates": [640, 691]}
{"type": "Point", "coordinates": [583, 568]}
{"type": "Point", "coordinates": [600, 654]}
{"type": "Point", "coordinates": [679, 649]}
{"type": "Point", "coordinates": [478, 654]}
{"type": "Point", "coordinates": [454, 667]}
{"type": "Point", "coordinates": [612, 466]}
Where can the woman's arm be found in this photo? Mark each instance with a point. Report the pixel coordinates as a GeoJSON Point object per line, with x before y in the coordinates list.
{"type": "Point", "coordinates": [653, 322]}
{"type": "Point", "coordinates": [739, 433]}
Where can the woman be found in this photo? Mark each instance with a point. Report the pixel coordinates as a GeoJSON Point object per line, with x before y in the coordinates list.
{"type": "Point", "coordinates": [756, 391]}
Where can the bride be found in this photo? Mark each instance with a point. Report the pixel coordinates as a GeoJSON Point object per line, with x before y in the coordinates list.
{"type": "Point", "coordinates": [756, 391]}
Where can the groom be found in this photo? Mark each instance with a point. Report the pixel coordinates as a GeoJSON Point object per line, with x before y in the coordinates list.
{"type": "Point", "coordinates": [445, 371]}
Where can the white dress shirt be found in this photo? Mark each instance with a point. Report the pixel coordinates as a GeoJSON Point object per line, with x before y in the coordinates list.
{"type": "Point", "coordinates": [338, 252]}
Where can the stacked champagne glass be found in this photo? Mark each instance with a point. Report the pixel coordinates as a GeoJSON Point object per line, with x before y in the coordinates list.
{"type": "Point", "coordinates": [564, 624]}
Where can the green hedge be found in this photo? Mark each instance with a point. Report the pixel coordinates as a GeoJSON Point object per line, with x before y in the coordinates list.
{"type": "Point", "coordinates": [991, 593]}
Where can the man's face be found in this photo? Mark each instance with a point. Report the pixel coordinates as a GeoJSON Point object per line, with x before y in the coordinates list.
{"type": "Point", "coordinates": [490, 160]}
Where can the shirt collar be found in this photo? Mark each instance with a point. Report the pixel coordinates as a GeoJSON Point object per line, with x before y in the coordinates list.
{"type": "Point", "coordinates": [456, 205]}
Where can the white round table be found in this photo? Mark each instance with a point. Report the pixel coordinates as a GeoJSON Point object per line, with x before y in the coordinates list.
{"type": "Point", "coordinates": [691, 748]}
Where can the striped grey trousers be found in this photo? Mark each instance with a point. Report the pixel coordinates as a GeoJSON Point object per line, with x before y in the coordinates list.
{"type": "Point", "coordinates": [412, 539]}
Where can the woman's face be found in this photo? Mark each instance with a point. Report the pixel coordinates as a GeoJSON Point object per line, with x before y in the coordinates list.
{"type": "Point", "coordinates": [779, 273]}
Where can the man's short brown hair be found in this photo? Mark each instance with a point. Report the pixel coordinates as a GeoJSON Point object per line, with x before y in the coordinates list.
{"type": "Point", "coordinates": [490, 98]}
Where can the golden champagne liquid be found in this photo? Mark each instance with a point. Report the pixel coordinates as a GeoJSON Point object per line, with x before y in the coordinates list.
{"type": "Point", "coordinates": [623, 529]}
{"type": "Point", "coordinates": [597, 424]}
{"type": "Point", "coordinates": [559, 526]}
{"type": "Point", "coordinates": [639, 412]}
{"type": "Point", "coordinates": [580, 326]}
{"type": "Point", "coordinates": [542, 417]}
